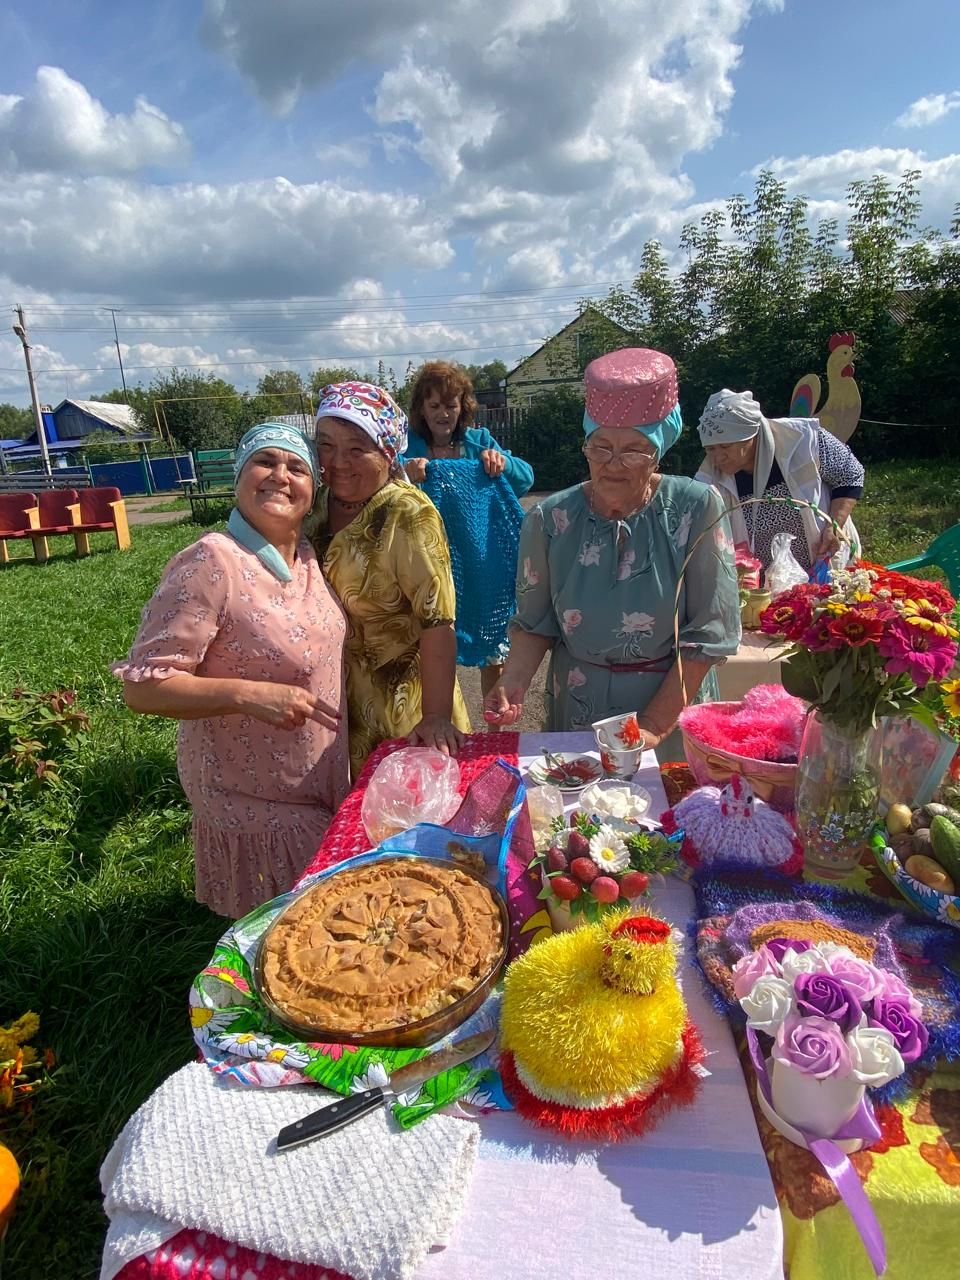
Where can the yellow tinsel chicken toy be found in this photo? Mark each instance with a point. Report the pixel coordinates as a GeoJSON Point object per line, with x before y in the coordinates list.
{"type": "Point", "coordinates": [594, 1034]}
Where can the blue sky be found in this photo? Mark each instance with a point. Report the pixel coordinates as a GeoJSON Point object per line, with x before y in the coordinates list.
{"type": "Point", "coordinates": [304, 181]}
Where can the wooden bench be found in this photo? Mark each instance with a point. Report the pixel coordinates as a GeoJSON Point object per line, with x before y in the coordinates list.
{"type": "Point", "coordinates": [213, 484]}
{"type": "Point", "coordinates": [35, 481]}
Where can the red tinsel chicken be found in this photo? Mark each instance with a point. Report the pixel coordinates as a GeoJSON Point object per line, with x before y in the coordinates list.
{"type": "Point", "coordinates": [732, 825]}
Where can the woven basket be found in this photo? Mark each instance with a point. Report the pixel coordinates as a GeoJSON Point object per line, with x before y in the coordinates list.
{"type": "Point", "coordinates": [713, 766]}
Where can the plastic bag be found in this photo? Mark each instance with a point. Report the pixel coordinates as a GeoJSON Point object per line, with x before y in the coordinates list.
{"type": "Point", "coordinates": [417, 784]}
{"type": "Point", "coordinates": [784, 571]}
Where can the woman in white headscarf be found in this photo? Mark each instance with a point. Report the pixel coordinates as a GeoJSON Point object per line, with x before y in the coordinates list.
{"type": "Point", "coordinates": [748, 455]}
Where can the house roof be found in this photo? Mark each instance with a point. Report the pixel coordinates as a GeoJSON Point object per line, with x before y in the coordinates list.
{"type": "Point", "coordinates": [904, 301]}
{"type": "Point", "coordinates": [118, 417]}
{"type": "Point", "coordinates": [560, 333]}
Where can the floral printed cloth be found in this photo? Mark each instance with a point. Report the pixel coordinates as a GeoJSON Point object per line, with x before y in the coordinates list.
{"type": "Point", "coordinates": [391, 569]}
{"type": "Point", "coordinates": [604, 591]}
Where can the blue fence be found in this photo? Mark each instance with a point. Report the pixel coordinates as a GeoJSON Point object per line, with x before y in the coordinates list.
{"type": "Point", "coordinates": [131, 477]}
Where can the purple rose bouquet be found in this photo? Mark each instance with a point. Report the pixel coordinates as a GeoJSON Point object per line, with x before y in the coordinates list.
{"type": "Point", "coordinates": [830, 1014]}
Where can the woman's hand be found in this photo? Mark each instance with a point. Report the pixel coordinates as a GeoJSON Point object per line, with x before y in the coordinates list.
{"type": "Point", "coordinates": [503, 705]}
{"type": "Point", "coordinates": [827, 544]}
{"type": "Point", "coordinates": [494, 462]}
{"type": "Point", "coordinates": [288, 706]}
{"type": "Point", "coordinates": [416, 469]}
{"type": "Point", "coordinates": [436, 731]}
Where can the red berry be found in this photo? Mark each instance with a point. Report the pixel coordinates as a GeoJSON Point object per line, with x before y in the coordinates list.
{"type": "Point", "coordinates": [565, 887]}
{"type": "Point", "coordinates": [605, 889]}
{"type": "Point", "coordinates": [585, 869]}
{"type": "Point", "coordinates": [578, 846]}
{"type": "Point", "coordinates": [634, 883]}
{"type": "Point", "coordinates": [573, 817]}
{"type": "Point", "coordinates": [556, 859]}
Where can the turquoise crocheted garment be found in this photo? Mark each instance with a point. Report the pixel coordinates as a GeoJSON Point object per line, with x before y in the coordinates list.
{"type": "Point", "coordinates": [482, 518]}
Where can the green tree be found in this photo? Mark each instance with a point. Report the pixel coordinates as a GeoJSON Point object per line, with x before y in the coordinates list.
{"type": "Point", "coordinates": [15, 423]}
{"type": "Point", "coordinates": [199, 410]}
{"type": "Point", "coordinates": [326, 374]}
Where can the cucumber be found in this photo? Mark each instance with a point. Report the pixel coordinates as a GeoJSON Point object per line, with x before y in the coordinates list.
{"type": "Point", "coordinates": [945, 839]}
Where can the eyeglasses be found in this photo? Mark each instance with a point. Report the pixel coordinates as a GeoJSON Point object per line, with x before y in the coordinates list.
{"type": "Point", "coordinates": [629, 458]}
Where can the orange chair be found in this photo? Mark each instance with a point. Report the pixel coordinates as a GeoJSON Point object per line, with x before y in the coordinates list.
{"type": "Point", "coordinates": [18, 519]}
{"type": "Point", "coordinates": [53, 513]}
{"type": "Point", "coordinates": [95, 510]}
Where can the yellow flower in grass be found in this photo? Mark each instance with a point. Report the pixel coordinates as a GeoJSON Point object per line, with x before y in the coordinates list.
{"type": "Point", "coordinates": [921, 613]}
{"type": "Point", "coordinates": [951, 697]}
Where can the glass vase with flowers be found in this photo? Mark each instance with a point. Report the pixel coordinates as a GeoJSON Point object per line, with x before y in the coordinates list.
{"type": "Point", "coordinates": [866, 645]}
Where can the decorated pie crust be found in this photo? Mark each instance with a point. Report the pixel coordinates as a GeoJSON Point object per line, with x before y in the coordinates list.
{"type": "Point", "coordinates": [381, 945]}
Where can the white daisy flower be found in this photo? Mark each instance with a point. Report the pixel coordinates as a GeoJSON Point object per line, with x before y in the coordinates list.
{"type": "Point", "coordinates": [608, 850]}
{"type": "Point", "coordinates": [375, 1076]}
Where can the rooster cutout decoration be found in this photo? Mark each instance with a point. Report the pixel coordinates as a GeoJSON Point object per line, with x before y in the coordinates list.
{"type": "Point", "coordinates": [840, 412]}
{"type": "Point", "coordinates": [732, 825]}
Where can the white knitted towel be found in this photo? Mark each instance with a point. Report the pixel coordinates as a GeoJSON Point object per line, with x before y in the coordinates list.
{"type": "Point", "coordinates": [369, 1200]}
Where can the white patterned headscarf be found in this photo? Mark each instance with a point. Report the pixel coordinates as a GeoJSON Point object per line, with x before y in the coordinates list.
{"type": "Point", "coordinates": [729, 417]}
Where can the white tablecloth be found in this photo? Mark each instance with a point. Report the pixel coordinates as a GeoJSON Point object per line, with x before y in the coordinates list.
{"type": "Point", "coordinates": [691, 1199]}
{"type": "Point", "coordinates": [757, 661]}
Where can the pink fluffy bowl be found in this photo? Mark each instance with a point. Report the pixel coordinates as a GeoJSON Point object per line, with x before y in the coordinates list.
{"type": "Point", "coordinates": [719, 739]}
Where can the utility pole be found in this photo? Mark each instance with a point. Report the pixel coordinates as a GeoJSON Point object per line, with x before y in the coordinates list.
{"type": "Point", "coordinates": [20, 329]}
{"type": "Point", "coordinates": [116, 340]}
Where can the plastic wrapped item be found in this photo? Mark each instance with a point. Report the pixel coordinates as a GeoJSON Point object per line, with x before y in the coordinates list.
{"type": "Point", "coordinates": [784, 571]}
{"type": "Point", "coordinates": [418, 784]}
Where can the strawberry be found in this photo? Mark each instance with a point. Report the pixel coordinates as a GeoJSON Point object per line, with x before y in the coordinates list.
{"type": "Point", "coordinates": [634, 883]}
{"type": "Point", "coordinates": [605, 889]}
{"type": "Point", "coordinates": [573, 817]}
{"type": "Point", "coordinates": [565, 887]}
{"type": "Point", "coordinates": [585, 869]}
{"type": "Point", "coordinates": [578, 846]}
{"type": "Point", "coordinates": [556, 859]}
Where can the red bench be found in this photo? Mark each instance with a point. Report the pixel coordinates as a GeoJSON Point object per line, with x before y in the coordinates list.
{"type": "Point", "coordinates": [62, 511]}
{"type": "Point", "coordinates": [98, 509]}
{"type": "Point", "coordinates": [18, 519]}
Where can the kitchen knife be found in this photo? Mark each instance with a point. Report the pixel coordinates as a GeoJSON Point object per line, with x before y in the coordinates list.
{"type": "Point", "coordinates": [345, 1110]}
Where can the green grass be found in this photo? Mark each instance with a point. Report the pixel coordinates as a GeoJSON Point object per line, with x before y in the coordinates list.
{"type": "Point", "coordinates": [101, 934]}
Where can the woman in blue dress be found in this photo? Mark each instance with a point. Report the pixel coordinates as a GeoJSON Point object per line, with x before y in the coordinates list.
{"type": "Point", "coordinates": [600, 565]}
{"type": "Point", "coordinates": [476, 486]}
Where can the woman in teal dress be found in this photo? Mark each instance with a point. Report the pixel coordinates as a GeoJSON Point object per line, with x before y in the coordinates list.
{"type": "Point", "coordinates": [599, 566]}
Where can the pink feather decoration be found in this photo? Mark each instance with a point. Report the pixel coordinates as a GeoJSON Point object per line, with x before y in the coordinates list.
{"type": "Point", "coordinates": [767, 725]}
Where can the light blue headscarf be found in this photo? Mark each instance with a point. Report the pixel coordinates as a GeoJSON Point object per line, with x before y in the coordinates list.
{"type": "Point", "coordinates": [268, 435]}
{"type": "Point", "coordinates": [663, 435]}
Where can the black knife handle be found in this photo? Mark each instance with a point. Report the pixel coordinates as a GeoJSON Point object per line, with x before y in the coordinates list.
{"type": "Point", "coordinates": [329, 1119]}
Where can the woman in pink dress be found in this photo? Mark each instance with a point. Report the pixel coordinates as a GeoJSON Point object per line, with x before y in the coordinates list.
{"type": "Point", "coordinates": [242, 642]}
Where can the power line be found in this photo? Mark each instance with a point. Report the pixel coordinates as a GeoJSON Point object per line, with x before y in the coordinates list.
{"type": "Point", "coordinates": [338, 299]}
{"type": "Point", "coordinates": [276, 360]}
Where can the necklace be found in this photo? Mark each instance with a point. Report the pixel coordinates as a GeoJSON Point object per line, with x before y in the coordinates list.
{"type": "Point", "coordinates": [350, 506]}
{"type": "Point", "coordinates": [651, 490]}
{"type": "Point", "coordinates": [444, 450]}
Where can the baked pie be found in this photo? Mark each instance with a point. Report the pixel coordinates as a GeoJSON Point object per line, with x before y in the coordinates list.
{"type": "Point", "coordinates": [381, 945]}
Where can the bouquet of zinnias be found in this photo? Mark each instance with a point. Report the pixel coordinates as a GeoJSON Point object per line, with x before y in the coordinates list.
{"type": "Point", "coordinates": [830, 1014]}
{"type": "Point", "coordinates": [865, 645]}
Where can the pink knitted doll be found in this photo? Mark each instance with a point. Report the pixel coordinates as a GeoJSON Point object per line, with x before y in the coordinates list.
{"type": "Point", "coordinates": [732, 825]}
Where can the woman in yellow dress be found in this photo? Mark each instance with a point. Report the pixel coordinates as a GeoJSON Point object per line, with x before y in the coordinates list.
{"type": "Point", "coordinates": [385, 553]}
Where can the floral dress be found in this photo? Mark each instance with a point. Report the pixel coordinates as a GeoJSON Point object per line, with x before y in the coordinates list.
{"type": "Point", "coordinates": [603, 591]}
{"type": "Point", "coordinates": [262, 797]}
{"type": "Point", "coordinates": [391, 569]}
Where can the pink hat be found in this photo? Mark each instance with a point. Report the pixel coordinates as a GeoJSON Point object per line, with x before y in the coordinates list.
{"type": "Point", "coordinates": [635, 387]}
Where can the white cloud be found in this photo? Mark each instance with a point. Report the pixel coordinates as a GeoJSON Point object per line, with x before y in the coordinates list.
{"type": "Point", "coordinates": [117, 238]}
{"type": "Point", "coordinates": [928, 110]}
{"type": "Point", "coordinates": [59, 127]}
